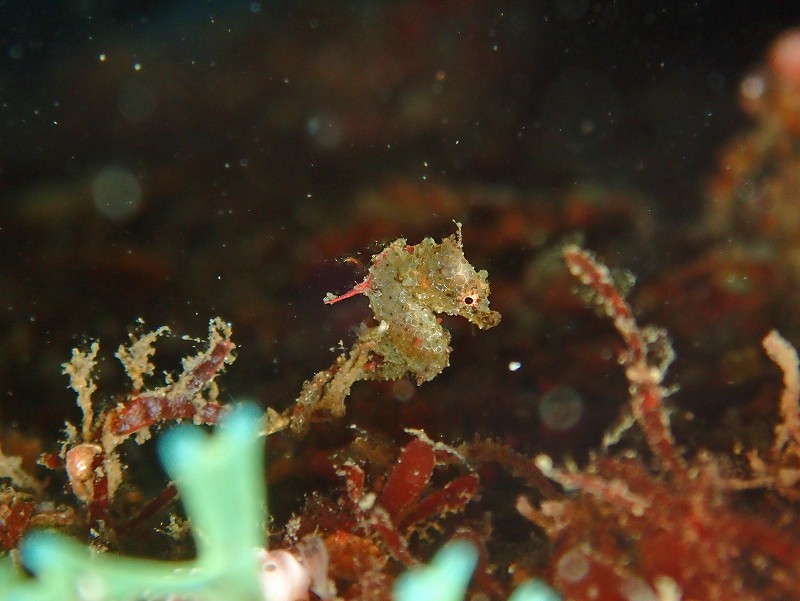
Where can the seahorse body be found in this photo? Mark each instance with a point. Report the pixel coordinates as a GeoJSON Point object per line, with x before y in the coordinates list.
{"type": "Point", "coordinates": [407, 286]}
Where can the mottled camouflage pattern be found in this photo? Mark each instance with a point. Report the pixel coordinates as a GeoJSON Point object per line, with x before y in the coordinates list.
{"type": "Point", "coordinates": [407, 286]}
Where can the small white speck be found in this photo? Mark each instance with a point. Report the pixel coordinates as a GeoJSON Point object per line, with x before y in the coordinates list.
{"type": "Point", "coordinates": [514, 365]}
{"type": "Point", "coordinates": [102, 57]}
{"type": "Point", "coordinates": [544, 463]}
{"type": "Point", "coordinates": [137, 66]}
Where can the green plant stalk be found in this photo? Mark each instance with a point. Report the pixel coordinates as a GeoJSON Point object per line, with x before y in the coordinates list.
{"type": "Point", "coordinates": [221, 483]}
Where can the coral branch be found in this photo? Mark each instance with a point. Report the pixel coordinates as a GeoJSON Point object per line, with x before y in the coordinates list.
{"type": "Point", "coordinates": [173, 402]}
{"type": "Point", "coordinates": [646, 357]}
{"type": "Point", "coordinates": [79, 369]}
{"type": "Point", "coordinates": [784, 355]}
{"type": "Point", "coordinates": [182, 399]}
{"type": "Point", "coordinates": [614, 491]}
{"type": "Point", "coordinates": [93, 466]}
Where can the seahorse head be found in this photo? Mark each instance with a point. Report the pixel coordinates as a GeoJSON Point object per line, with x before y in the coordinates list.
{"type": "Point", "coordinates": [459, 288]}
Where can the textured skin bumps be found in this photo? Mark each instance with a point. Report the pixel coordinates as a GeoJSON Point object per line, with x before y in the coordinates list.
{"type": "Point", "coordinates": [407, 286]}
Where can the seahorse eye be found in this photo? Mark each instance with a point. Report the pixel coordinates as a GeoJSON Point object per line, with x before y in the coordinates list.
{"type": "Point", "coordinates": [468, 300]}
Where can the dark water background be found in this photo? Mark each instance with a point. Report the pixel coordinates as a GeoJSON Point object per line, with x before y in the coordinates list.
{"type": "Point", "coordinates": [179, 160]}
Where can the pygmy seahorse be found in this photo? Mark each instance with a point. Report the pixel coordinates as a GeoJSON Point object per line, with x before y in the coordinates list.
{"type": "Point", "coordinates": [406, 287]}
